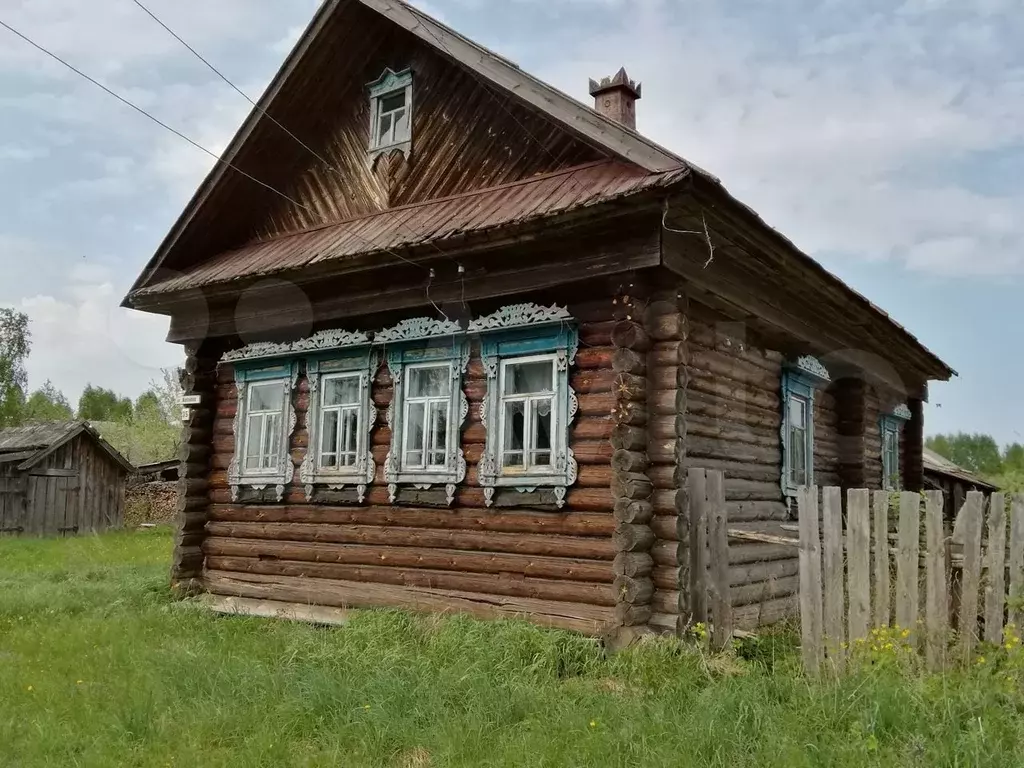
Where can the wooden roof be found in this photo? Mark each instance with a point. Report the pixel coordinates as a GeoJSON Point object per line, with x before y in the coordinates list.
{"type": "Point", "coordinates": [31, 443]}
{"type": "Point", "coordinates": [937, 464]}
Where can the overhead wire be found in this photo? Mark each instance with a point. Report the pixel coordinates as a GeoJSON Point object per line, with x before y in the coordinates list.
{"type": "Point", "coordinates": [194, 143]}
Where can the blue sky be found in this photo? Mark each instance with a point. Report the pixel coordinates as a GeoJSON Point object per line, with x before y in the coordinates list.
{"type": "Point", "coordinates": [885, 138]}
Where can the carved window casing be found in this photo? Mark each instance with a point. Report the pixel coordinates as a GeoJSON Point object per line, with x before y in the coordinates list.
{"type": "Point", "coordinates": [264, 422]}
{"type": "Point", "coordinates": [890, 427]}
{"type": "Point", "coordinates": [340, 419]}
{"type": "Point", "coordinates": [427, 359]}
{"type": "Point", "coordinates": [527, 351]}
{"type": "Point", "coordinates": [391, 113]}
{"type": "Point", "coordinates": [800, 379]}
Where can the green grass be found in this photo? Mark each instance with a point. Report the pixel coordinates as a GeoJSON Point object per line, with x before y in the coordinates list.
{"type": "Point", "coordinates": [98, 667]}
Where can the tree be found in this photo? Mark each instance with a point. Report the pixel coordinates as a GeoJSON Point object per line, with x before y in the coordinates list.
{"type": "Point", "coordinates": [977, 452]}
{"type": "Point", "coordinates": [1013, 458]}
{"type": "Point", "coordinates": [168, 391]}
{"type": "Point", "coordinates": [47, 404]}
{"type": "Point", "coordinates": [98, 404]}
{"type": "Point", "coordinates": [15, 343]}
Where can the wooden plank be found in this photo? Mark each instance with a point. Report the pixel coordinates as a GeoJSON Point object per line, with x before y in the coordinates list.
{"type": "Point", "coordinates": [858, 556]}
{"type": "Point", "coordinates": [835, 598]}
{"type": "Point", "coordinates": [1017, 562]}
{"type": "Point", "coordinates": [995, 583]}
{"type": "Point", "coordinates": [696, 483]}
{"type": "Point", "coordinates": [718, 581]}
{"type": "Point", "coordinates": [881, 547]}
{"type": "Point", "coordinates": [970, 525]}
{"type": "Point", "coordinates": [936, 600]}
{"type": "Point", "coordinates": [908, 551]}
{"type": "Point", "coordinates": [810, 580]}
{"type": "Point", "coordinates": [275, 609]}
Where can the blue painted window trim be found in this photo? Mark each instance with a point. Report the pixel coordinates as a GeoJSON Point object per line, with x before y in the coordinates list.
{"type": "Point", "coordinates": [364, 362]}
{"type": "Point", "coordinates": [387, 84]}
{"type": "Point", "coordinates": [454, 351]}
{"type": "Point", "coordinates": [892, 423]}
{"type": "Point", "coordinates": [284, 373]}
{"type": "Point", "coordinates": [560, 342]}
{"type": "Point", "coordinates": [800, 379]}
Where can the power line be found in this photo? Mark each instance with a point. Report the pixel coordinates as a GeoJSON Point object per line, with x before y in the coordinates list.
{"type": "Point", "coordinates": [264, 112]}
{"type": "Point", "coordinates": [195, 144]}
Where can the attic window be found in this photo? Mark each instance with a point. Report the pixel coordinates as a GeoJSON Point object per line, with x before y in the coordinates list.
{"type": "Point", "coordinates": [391, 112]}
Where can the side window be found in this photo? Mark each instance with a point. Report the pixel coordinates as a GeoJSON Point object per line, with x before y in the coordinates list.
{"type": "Point", "coordinates": [527, 351]}
{"type": "Point", "coordinates": [391, 112]}
{"type": "Point", "coordinates": [427, 359]}
{"type": "Point", "coordinates": [890, 428]}
{"type": "Point", "coordinates": [339, 420]}
{"type": "Point", "coordinates": [264, 420]}
{"type": "Point", "coordinates": [800, 379]}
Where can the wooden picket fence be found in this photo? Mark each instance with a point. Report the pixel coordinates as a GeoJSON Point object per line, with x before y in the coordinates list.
{"type": "Point", "coordinates": [846, 570]}
{"type": "Point", "coordinates": [710, 601]}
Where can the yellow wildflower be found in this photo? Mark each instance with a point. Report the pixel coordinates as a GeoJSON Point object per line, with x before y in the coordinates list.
{"type": "Point", "coordinates": [593, 724]}
{"type": "Point", "coordinates": [29, 688]}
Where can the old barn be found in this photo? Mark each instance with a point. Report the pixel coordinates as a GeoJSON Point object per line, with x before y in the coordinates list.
{"type": "Point", "coordinates": [461, 344]}
{"type": "Point", "coordinates": [59, 479]}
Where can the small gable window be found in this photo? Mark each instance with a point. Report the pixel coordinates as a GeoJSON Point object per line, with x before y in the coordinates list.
{"type": "Point", "coordinates": [391, 112]}
{"type": "Point", "coordinates": [799, 382]}
{"type": "Point", "coordinates": [890, 427]}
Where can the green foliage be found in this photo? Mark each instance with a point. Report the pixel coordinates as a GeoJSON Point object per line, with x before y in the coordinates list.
{"type": "Point", "coordinates": [15, 343]}
{"type": "Point", "coordinates": [47, 404]}
{"type": "Point", "coordinates": [101, 668]}
{"type": "Point", "coordinates": [974, 452]}
{"type": "Point", "coordinates": [98, 404]}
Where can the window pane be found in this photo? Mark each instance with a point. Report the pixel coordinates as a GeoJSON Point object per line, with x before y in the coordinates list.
{"type": "Point", "coordinates": [350, 430]}
{"type": "Point", "coordinates": [271, 440]}
{"type": "Point", "coordinates": [541, 432]}
{"type": "Point", "coordinates": [797, 412]}
{"type": "Point", "coordinates": [415, 426]}
{"type": "Point", "coordinates": [265, 397]}
{"type": "Point", "coordinates": [515, 427]}
{"type": "Point", "coordinates": [401, 126]}
{"type": "Point", "coordinates": [329, 439]}
{"type": "Point", "coordinates": [529, 378]}
{"type": "Point", "coordinates": [341, 391]}
{"type": "Point", "coordinates": [252, 442]}
{"type": "Point", "coordinates": [798, 456]}
{"type": "Point", "coordinates": [429, 382]}
{"type": "Point", "coordinates": [438, 434]}
{"type": "Point", "coordinates": [384, 130]}
{"type": "Point", "coordinates": [392, 101]}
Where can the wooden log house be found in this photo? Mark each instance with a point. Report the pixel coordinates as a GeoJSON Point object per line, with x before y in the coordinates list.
{"type": "Point", "coordinates": [455, 342]}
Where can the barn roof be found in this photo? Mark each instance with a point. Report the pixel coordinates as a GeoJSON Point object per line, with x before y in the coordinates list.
{"type": "Point", "coordinates": [940, 465]}
{"type": "Point", "coordinates": [33, 442]}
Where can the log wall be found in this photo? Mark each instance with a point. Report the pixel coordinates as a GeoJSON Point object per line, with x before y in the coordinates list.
{"type": "Point", "coordinates": [555, 566]}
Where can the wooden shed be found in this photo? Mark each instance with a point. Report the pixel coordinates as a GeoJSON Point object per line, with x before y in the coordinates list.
{"type": "Point", "coordinates": [954, 481]}
{"type": "Point", "coordinates": [59, 479]}
{"type": "Point", "coordinates": [462, 344]}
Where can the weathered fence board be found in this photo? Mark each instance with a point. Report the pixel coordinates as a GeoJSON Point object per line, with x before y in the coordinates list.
{"type": "Point", "coordinates": [858, 548]}
{"type": "Point", "coordinates": [718, 566]}
{"type": "Point", "coordinates": [697, 488]}
{"type": "Point", "coordinates": [995, 583]}
{"type": "Point", "coordinates": [907, 561]}
{"type": "Point", "coordinates": [810, 579]}
{"type": "Point", "coordinates": [881, 538]}
{"type": "Point", "coordinates": [1017, 563]}
{"type": "Point", "coordinates": [936, 611]}
{"type": "Point", "coordinates": [835, 598]}
{"type": "Point", "coordinates": [970, 520]}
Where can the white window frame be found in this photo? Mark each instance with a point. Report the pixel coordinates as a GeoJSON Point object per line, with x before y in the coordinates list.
{"type": "Point", "coordinates": [420, 343]}
{"type": "Point", "coordinates": [427, 401]}
{"type": "Point", "coordinates": [522, 333]}
{"type": "Point", "coordinates": [528, 468]}
{"type": "Point", "coordinates": [313, 474]}
{"type": "Point", "coordinates": [282, 375]}
{"type": "Point", "coordinates": [390, 84]}
{"type": "Point", "coordinates": [807, 403]}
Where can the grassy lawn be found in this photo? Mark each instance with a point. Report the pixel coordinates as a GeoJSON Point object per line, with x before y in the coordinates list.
{"type": "Point", "coordinates": [98, 667]}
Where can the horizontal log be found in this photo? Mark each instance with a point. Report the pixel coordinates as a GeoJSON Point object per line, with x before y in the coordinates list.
{"type": "Point", "coordinates": [749, 617]}
{"type": "Point", "coordinates": [662, 475]}
{"type": "Point", "coordinates": [632, 538]}
{"type": "Point", "coordinates": [628, 386]}
{"type": "Point", "coordinates": [752, 573]}
{"type": "Point", "coordinates": [763, 591]}
{"type": "Point", "coordinates": [743, 511]}
{"type": "Point", "coordinates": [767, 453]}
{"type": "Point", "coordinates": [665, 601]}
{"type": "Point", "coordinates": [632, 615]}
{"type": "Point", "coordinates": [633, 564]}
{"type": "Point", "coordinates": [668, 354]}
{"type": "Point", "coordinates": [630, 335]}
{"type": "Point", "coordinates": [627, 438]}
{"type": "Point", "coordinates": [633, 511]}
{"type": "Point", "coordinates": [564, 568]}
{"type": "Point", "coordinates": [665, 527]}
{"type": "Point", "coordinates": [593, 620]}
{"type": "Point", "coordinates": [750, 490]}
{"type": "Point", "coordinates": [484, 583]}
{"type": "Point", "coordinates": [629, 361]}
{"type": "Point", "coordinates": [483, 541]}
{"type": "Point", "coordinates": [665, 577]}
{"type": "Point", "coordinates": [629, 461]}
{"type": "Point", "coordinates": [740, 554]}
{"type": "Point", "coordinates": [665, 325]}
{"type": "Point", "coordinates": [635, 590]}
{"type": "Point", "coordinates": [663, 623]}
{"type": "Point", "coordinates": [633, 414]}
{"type": "Point", "coordinates": [632, 485]}
{"type": "Point", "coordinates": [665, 553]}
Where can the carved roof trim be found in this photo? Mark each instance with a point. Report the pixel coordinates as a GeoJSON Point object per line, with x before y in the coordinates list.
{"type": "Point", "coordinates": [520, 315]}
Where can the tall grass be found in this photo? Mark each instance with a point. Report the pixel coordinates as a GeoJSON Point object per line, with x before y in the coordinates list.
{"type": "Point", "coordinates": [98, 667]}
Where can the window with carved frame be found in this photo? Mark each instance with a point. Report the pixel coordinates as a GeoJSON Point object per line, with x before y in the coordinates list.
{"type": "Point", "coordinates": [890, 428]}
{"type": "Point", "coordinates": [527, 351]}
{"type": "Point", "coordinates": [427, 359]}
{"type": "Point", "coordinates": [800, 380]}
{"type": "Point", "coordinates": [391, 112]}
